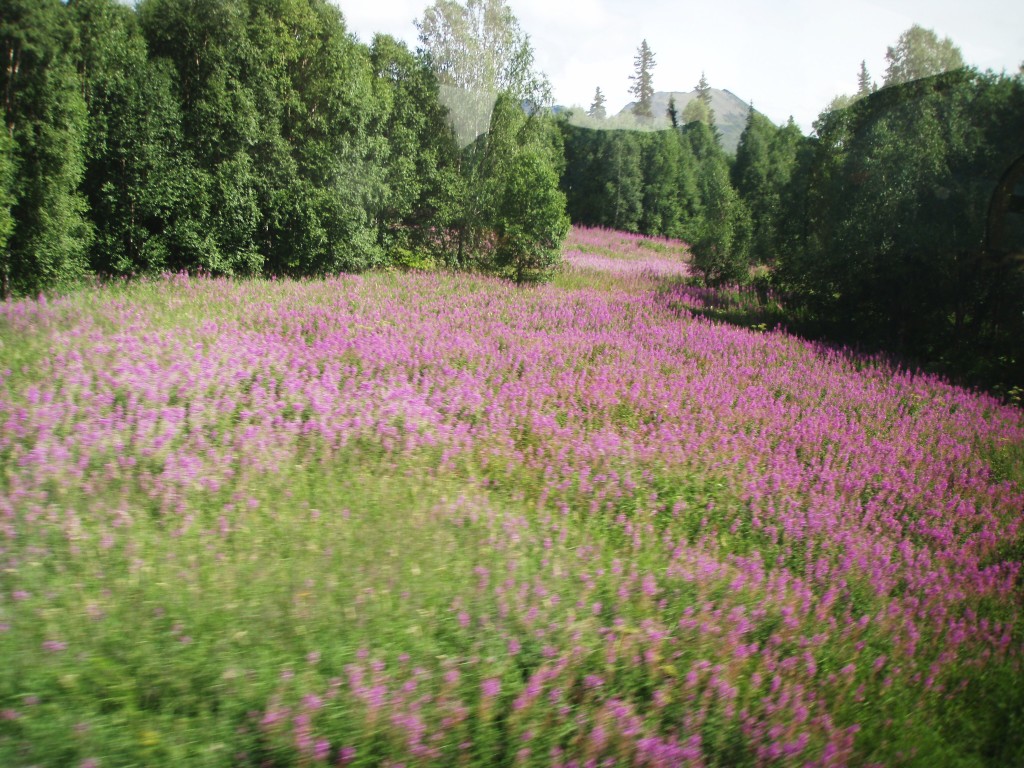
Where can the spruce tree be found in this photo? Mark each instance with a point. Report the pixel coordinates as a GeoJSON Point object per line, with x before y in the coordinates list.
{"type": "Point", "coordinates": [864, 84]}
{"type": "Point", "coordinates": [673, 111]}
{"type": "Point", "coordinates": [597, 108]}
{"type": "Point", "coordinates": [643, 81]}
{"type": "Point", "coordinates": [704, 96]}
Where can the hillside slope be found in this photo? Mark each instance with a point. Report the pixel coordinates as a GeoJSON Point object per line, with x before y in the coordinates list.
{"type": "Point", "coordinates": [730, 112]}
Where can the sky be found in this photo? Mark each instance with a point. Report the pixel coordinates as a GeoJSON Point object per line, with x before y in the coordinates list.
{"type": "Point", "coordinates": [788, 57]}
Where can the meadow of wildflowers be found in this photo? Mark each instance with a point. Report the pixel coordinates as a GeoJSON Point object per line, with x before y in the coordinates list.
{"type": "Point", "coordinates": [427, 519]}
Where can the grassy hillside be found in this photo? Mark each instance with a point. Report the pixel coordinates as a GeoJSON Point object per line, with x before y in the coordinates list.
{"type": "Point", "coordinates": [431, 519]}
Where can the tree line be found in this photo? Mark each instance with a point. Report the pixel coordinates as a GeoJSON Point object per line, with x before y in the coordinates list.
{"type": "Point", "coordinates": [247, 137]}
{"type": "Point", "coordinates": [877, 230]}
{"type": "Point", "coordinates": [258, 137]}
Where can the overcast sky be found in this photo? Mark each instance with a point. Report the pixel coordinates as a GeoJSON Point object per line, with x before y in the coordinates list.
{"type": "Point", "coordinates": [790, 57]}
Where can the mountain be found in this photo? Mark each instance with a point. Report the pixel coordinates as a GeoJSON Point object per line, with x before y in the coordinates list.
{"type": "Point", "coordinates": [730, 112]}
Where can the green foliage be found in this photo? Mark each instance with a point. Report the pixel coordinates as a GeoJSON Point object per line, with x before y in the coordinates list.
{"type": "Point", "coordinates": [765, 160]}
{"type": "Point", "coordinates": [670, 186]}
{"type": "Point", "coordinates": [477, 52]}
{"type": "Point", "coordinates": [696, 111]}
{"type": "Point", "coordinates": [531, 221]}
{"type": "Point", "coordinates": [628, 180]}
{"type": "Point", "coordinates": [918, 53]}
{"type": "Point", "coordinates": [721, 241]}
{"type": "Point", "coordinates": [622, 181]}
{"type": "Point", "coordinates": [597, 108]}
{"type": "Point", "coordinates": [895, 212]}
{"type": "Point", "coordinates": [135, 160]}
{"type": "Point", "coordinates": [243, 137]}
{"type": "Point", "coordinates": [45, 119]}
{"type": "Point", "coordinates": [7, 195]}
{"type": "Point", "coordinates": [422, 186]}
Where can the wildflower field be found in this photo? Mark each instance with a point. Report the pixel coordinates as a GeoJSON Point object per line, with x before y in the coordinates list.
{"type": "Point", "coordinates": [433, 519]}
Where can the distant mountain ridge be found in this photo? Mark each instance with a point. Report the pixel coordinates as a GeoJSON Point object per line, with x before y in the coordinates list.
{"type": "Point", "coordinates": [730, 115]}
{"type": "Point", "coordinates": [730, 112]}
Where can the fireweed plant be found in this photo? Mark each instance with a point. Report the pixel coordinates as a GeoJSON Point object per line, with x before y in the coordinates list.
{"type": "Point", "coordinates": [432, 519]}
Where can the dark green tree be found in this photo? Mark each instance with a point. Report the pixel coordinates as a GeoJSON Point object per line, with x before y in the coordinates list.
{"type": "Point", "coordinates": [316, 105]}
{"type": "Point", "coordinates": [597, 108]}
{"type": "Point", "coordinates": [643, 81]}
{"type": "Point", "coordinates": [623, 198]}
{"type": "Point", "coordinates": [527, 209]}
{"type": "Point", "coordinates": [422, 188]}
{"type": "Point", "coordinates": [673, 112]}
{"type": "Point", "coordinates": [721, 237]}
{"type": "Point", "coordinates": [765, 159]}
{"type": "Point", "coordinates": [704, 96]}
{"type": "Point", "coordinates": [46, 125]}
{"type": "Point", "coordinates": [896, 216]}
{"type": "Point", "coordinates": [864, 84]}
{"type": "Point", "coordinates": [663, 206]}
{"type": "Point", "coordinates": [135, 158]}
{"type": "Point", "coordinates": [208, 48]}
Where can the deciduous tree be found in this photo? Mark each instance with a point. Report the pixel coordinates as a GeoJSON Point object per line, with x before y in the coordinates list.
{"type": "Point", "coordinates": [480, 54]}
{"type": "Point", "coordinates": [920, 53]}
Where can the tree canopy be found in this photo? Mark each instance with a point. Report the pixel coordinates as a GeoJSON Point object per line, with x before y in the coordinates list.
{"type": "Point", "coordinates": [920, 53]}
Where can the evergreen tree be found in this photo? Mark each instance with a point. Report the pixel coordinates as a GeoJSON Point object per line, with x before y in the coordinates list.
{"type": "Point", "coordinates": [704, 96]}
{"type": "Point", "coordinates": [721, 237]}
{"type": "Point", "coordinates": [643, 81]}
{"type": "Point", "coordinates": [698, 109]}
{"type": "Point", "coordinates": [623, 199]}
{"type": "Point", "coordinates": [673, 111]}
{"type": "Point", "coordinates": [662, 205]}
{"type": "Point", "coordinates": [45, 121]}
{"type": "Point", "coordinates": [764, 163]}
{"type": "Point", "coordinates": [752, 177]}
{"type": "Point", "coordinates": [864, 84]}
{"type": "Point", "coordinates": [597, 108]}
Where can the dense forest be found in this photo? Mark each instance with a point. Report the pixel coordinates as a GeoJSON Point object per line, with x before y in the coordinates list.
{"type": "Point", "coordinates": [259, 137]}
{"type": "Point", "coordinates": [245, 137]}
